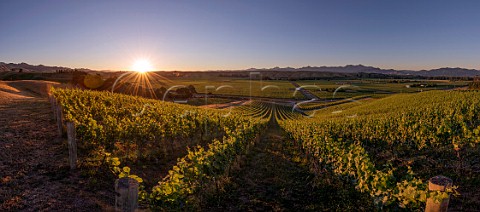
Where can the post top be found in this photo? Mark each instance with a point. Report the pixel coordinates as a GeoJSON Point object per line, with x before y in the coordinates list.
{"type": "Point", "coordinates": [439, 183]}
{"type": "Point", "coordinates": [126, 182]}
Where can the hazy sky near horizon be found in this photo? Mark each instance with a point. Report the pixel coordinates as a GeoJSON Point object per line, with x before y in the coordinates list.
{"type": "Point", "coordinates": [213, 35]}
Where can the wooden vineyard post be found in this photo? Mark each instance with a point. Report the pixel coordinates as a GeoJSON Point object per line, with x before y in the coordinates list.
{"type": "Point", "coordinates": [126, 194]}
{"type": "Point", "coordinates": [438, 183]}
{"type": "Point", "coordinates": [53, 106]}
{"type": "Point", "coordinates": [59, 119]}
{"type": "Point", "coordinates": [72, 145]}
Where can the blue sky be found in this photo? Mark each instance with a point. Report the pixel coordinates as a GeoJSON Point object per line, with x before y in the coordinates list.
{"type": "Point", "coordinates": [211, 35]}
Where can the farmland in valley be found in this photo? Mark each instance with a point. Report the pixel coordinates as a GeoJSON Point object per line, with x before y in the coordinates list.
{"type": "Point", "coordinates": [214, 105]}
{"type": "Point", "coordinates": [373, 143]}
{"type": "Point", "coordinates": [381, 149]}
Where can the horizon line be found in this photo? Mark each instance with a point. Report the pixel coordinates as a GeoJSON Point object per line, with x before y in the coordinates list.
{"type": "Point", "coordinates": [245, 69]}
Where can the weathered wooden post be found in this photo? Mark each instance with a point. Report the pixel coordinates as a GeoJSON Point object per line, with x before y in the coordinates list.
{"type": "Point", "coordinates": [72, 145]}
{"type": "Point", "coordinates": [126, 194]}
{"type": "Point", "coordinates": [59, 119]}
{"type": "Point", "coordinates": [54, 108]}
{"type": "Point", "coordinates": [438, 183]}
{"type": "Point", "coordinates": [52, 105]}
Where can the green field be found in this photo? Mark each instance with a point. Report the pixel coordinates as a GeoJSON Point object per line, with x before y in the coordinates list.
{"type": "Point", "coordinates": [207, 101]}
{"type": "Point", "coordinates": [281, 89]}
{"type": "Point", "coordinates": [374, 87]}
{"type": "Point", "coordinates": [240, 87]}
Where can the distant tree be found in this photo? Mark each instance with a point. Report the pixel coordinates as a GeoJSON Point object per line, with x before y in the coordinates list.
{"type": "Point", "coordinates": [192, 90]}
{"type": "Point", "coordinates": [474, 85]}
{"type": "Point", "coordinates": [160, 92]}
{"type": "Point", "coordinates": [78, 79]}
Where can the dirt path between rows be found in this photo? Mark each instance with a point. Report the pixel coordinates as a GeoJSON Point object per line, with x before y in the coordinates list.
{"type": "Point", "coordinates": [271, 181]}
{"type": "Point", "coordinates": [34, 174]}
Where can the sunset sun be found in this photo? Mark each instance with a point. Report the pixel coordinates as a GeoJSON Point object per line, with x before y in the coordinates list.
{"type": "Point", "coordinates": [142, 66]}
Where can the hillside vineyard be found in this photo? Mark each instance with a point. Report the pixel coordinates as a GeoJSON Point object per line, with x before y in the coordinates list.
{"type": "Point", "coordinates": [378, 146]}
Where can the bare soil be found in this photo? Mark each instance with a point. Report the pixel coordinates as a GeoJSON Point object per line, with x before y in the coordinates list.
{"type": "Point", "coordinates": [34, 173]}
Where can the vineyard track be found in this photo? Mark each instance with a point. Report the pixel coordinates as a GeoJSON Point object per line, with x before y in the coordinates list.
{"type": "Point", "coordinates": [304, 92]}
{"type": "Point", "coordinates": [34, 173]}
{"type": "Point", "coordinates": [271, 181]}
{"type": "Point", "coordinates": [227, 105]}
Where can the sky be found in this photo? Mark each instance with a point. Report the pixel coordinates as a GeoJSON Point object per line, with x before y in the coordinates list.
{"type": "Point", "coordinates": [234, 34]}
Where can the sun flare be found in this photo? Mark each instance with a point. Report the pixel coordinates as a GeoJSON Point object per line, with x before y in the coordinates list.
{"type": "Point", "coordinates": [142, 66]}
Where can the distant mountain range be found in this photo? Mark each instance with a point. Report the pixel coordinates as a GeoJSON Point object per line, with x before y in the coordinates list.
{"type": "Point", "coordinates": [445, 72]}
{"type": "Point", "coordinates": [24, 67]}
